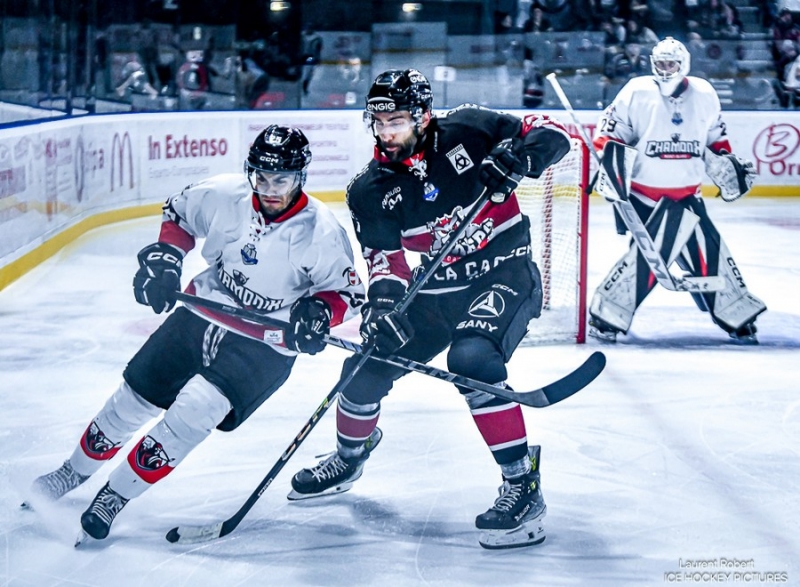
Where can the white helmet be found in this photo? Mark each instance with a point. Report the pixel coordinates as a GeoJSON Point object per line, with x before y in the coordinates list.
{"type": "Point", "coordinates": [670, 62]}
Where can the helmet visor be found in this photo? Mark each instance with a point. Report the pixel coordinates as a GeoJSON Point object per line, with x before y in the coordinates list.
{"type": "Point", "coordinates": [273, 183]}
{"type": "Point", "coordinates": [666, 68]}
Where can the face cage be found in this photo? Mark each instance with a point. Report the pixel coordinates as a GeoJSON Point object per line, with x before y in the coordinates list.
{"type": "Point", "coordinates": [252, 178]}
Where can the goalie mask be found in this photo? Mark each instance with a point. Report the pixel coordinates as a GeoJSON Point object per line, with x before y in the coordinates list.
{"type": "Point", "coordinates": [278, 161]}
{"type": "Point", "coordinates": [670, 62]}
{"type": "Point", "coordinates": [399, 90]}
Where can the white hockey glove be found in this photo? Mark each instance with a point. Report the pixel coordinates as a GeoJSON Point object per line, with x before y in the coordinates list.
{"type": "Point", "coordinates": [733, 175]}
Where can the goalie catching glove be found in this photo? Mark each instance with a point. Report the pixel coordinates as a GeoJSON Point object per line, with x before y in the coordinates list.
{"type": "Point", "coordinates": [384, 328]}
{"type": "Point", "coordinates": [733, 175]}
{"type": "Point", "coordinates": [158, 277]}
{"type": "Point", "coordinates": [503, 169]}
{"type": "Point", "coordinates": [310, 323]}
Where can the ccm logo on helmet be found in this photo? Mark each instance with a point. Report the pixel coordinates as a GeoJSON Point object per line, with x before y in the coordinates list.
{"type": "Point", "coordinates": [381, 106]}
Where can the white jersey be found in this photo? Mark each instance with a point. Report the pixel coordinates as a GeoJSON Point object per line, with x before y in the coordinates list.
{"type": "Point", "coordinates": [258, 263]}
{"type": "Point", "coordinates": [670, 135]}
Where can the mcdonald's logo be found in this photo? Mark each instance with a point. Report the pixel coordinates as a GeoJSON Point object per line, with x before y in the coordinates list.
{"type": "Point", "coordinates": [120, 147]}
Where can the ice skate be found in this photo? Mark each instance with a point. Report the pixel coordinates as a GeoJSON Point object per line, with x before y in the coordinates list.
{"type": "Point", "coordinates": [515, 519]}
{"type": "Point", "coordinates": [745, 335]}
{"type": "Point", "coordinates": [333, 474]}
{"type": "Point", "coordinates": [56, 484]}
{"type": "Point", "coordinates": [602, 331]}
{"type": "Point", "coordinates": [96, 520]}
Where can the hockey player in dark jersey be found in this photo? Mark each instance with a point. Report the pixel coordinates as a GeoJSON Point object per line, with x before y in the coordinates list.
{"type": "Point", "coordinates": [270, 246]}
{"type": "Point", "coordinates": [426, 175]}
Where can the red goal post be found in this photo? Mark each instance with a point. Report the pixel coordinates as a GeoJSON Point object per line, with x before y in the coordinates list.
{"type": "Point", "coordinates": [558, 207]}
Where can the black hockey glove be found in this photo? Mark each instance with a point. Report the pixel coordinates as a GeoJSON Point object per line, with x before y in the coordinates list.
{"type": "Point", "coordinates": [158, 277]}
{"type": "Point", "coordinates": [384, 328]}
{"type": "Point", "coordinates": [310, 321]}
{"type": "Point", "coordinates": [503, 169]}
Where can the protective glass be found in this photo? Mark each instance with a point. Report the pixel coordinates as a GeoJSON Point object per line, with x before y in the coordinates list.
{"type": "Point", "coordinates": [273, 183]}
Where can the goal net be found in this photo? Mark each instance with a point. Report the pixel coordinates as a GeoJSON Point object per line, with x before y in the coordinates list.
{"type": "Point", "coordinates": [557, 205]}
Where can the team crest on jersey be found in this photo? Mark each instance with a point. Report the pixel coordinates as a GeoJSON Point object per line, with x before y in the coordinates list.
{"type": "Point", "coordinates": [419, 166]}
{"type": "Point", "coordinates": [430, 192]}
{"type": "Point", "coordinates": [459, 159]}
{"type": "Point", "coordinates": [488, 305]}
{"type": "Point", "coordinates": [475, 237]}
{"type": "Point", "coordinates": [249, 254]}
{"type": "Point", "coordinates": [674, 148]}
{"type": "Point", "coordinates": [239, 277]}
{"type": "Point", "coordinates": [351, 275]}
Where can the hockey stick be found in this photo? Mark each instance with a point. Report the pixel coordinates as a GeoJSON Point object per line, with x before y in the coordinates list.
{"type": "Point", "coordinates": [193, 534]}
{"type": "Point", "coordinates": [637, 229]}
{"type": "Point", "coordinates": [536, 398]}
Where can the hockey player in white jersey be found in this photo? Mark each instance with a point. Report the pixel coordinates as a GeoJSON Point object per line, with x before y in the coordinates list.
{"type": "Point", "coordinates": [269, 246]}
{"type": "Point", "coordinates": [673, 122]}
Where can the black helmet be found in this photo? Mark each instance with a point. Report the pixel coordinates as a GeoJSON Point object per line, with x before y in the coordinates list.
{"type": "Point", "coordinates": [279, 148]}
{"type": "Point", "coordinates": [396, 89]}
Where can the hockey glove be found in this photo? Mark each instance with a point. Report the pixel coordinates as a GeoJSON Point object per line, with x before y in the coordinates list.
{"type": "Point", "coordinates": [503, 169]}
{"type": "Point", "coordinates": [384, 328]}
{"type": "Point", "coordinates": [158, 277]}
{"type": "Point", "coordinates": [733, 175]}
{"type": "Point", "coordinates": [310, 322]}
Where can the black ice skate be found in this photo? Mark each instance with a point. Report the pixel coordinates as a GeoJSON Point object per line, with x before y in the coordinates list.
{"type": "Point", "coordinates": [96, 520]}
{"type": "Point", "coordinates": [516, 517]}
{"type": "Point", "coordinates": [745, 335]}
{"type": "Point", "coordinates": [58, 483]}
{"type": "Point", "coordinates": [333, 474]}
{"type": "Point", "coordinates": [602, 331]}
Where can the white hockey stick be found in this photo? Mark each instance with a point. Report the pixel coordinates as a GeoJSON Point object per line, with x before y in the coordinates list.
{"type": "Point", "coordinates": [638, 231]}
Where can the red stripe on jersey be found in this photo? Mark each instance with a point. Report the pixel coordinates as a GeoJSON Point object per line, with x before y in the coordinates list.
{"type": "Point", "coordinates": [353, 427]}
{"type": "Point", "coordinates": [532, 121]}
{"type": "Point", "coordinates": [719, 145]}
{"type": "Point", "coordinates": [337, 304]}
{"type": "Point", "coordinates": [501, 427]}
{"type": "Point", "coordinates": [174, 235]}
{"type": "Point", "coordinates": [383, 264]}
{"type": "Point", "coordinates": [656, 193]}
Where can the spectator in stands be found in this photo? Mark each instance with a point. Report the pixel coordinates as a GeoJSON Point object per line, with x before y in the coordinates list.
{"type": "Point", "coordinates": [134, 81]}
{"type": "Point", "coordinates": [639, 34]}
{"type": "Point", "coordinates": [538, 22]}
{"type": "Point", "coordinates": [559, 12]}
{"type": "Point", "coordinates": [628, 64]}
{"type": "Point", "coordinates": [311, 55]}
{"type": "Point", "coordinates": [785, 37]}
{"type": "Point", "coordinates": [532, 82]}
{"type": "Point", "coordinates": [615, 36]}
{"type": "Point", "coordinates": [788, 87]}
{"type": "Point", "coordinates": [146, 43]}
{"type": "Point", "coordinates": [718, 20]}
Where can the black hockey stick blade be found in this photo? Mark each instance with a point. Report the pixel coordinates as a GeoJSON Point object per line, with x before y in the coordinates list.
{"type": "Point", "coordinates": [568, 385]}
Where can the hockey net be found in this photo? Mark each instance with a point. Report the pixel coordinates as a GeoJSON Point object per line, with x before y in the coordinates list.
{"type": "Point", "coordinates": [557, 205]}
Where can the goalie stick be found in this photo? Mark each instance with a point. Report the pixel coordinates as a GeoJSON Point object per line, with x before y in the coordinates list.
{"type": "Point", "coordinates": [536, 398]}
{"type": "Point", "coordinates": [641, 237]}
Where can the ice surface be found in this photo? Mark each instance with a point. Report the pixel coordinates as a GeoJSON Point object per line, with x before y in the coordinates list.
{"type": "Point", "coordinates": [684, 449]}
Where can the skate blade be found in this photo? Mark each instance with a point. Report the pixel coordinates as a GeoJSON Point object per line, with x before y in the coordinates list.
{"type": "Point", "coordinates": [341, 488]}
{"type": "Point", "coordinates": [82, 538]}
{"type": "Point", "coordinates": [527, 534]}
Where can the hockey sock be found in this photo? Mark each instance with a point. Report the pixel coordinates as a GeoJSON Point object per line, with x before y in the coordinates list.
{"type": "Point", "coordinates": [122, 415]}
{"type": "Point", "coordinates": [354, 424]}
{"type": "Point", "coordinates": [502, 426]}
{"type": "Point", "coordinates": [198, 409]}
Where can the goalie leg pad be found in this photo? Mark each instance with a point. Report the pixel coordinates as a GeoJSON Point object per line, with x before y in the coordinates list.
{"type": "Point", "coordinates": [734, 306]}
{"type": "Point", "coordinates": [615, 300]}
